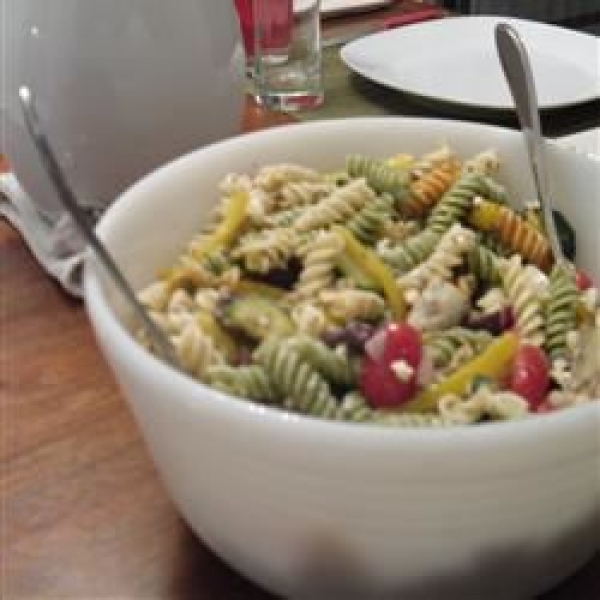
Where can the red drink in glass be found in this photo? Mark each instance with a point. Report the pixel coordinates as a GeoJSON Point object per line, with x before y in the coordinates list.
{"type": "Point", "coordinates": [274, 19]}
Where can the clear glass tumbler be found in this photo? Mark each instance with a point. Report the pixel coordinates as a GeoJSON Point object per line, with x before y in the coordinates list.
{"type": "Point", "coordinates": [287, 65]}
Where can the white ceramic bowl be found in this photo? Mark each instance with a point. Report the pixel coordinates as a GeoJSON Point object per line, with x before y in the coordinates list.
{"type": "Point", "coordinates": [309, 508]}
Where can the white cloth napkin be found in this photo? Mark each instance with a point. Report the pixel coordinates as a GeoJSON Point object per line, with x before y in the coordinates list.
{"type": "Point", "coordinates": [56, 246]}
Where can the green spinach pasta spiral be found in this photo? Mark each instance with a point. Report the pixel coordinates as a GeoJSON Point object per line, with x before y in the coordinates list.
{"type": "Point", "coordinates": [560, 309]}
{"type": "Point", "coordinates": [413, 251]}
{"type": "Point", "coordinates": [368, 223]}
{"type": "Point", "coordinates": [251, 382]}
{"type": "Point", "coordinates": [456, 203]}
{"type": "Point", "coordinates": [483, 263]}
{"type": "Point", "coordinates": [354, 408]}
{"type": "Point", "coordinates": [379, 176]}
{"type": "Point", "coordinates": [334, 365]}
{"type": "Point", "coordinates": [301, 386]}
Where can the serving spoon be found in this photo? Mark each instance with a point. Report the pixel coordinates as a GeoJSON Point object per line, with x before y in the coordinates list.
{"type": "Point", "coordinates": [518, 73]}
{"type": "Point", "coordinates": [161, 342]}
{"type": "Point", "coordinates": [519, 76]}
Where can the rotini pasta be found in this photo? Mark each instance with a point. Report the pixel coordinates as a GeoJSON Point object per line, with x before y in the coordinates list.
{"type": "Point", "coordinates": [561, 308]}
{"type": "Point", "coordinates": [367, 224]}
{"type": "Point", "coordinates": [334, 364]}
{"type": "Point", "coordinates": [395, 291]}
{"type": "Point", "coordinates": [338, 207]}
{"type": "Point", "coordinates": [251, 382]}
{"type": "Point", "coordinates": [267, 250]}
{"type": "Point", "coordinates": [516, 234]}
{"type": "Point", "coordinates": [455, 345]}
{"type": "Point", "coordinates": [456, 203]}
{"type": "Point", "coordinates": [301, 385]}
{"type": "Point", "coordinates": [447, 255]}
{"type": "Point", "coordinates": [520, 283]}
{"type": "Point", "coordinates": [416, 249]}
{"type": "Point", "coordinates": [320, 256]}
{"type": "Point", "coordinates": [428, 189]}
{"type": "Point", "coordinates": [380, 176]}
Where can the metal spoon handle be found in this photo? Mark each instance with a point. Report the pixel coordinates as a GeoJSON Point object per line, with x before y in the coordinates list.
{"type": "Point", "coordinates": [517, 70]}
{"type": "Point", "coordinates": [160, 340]}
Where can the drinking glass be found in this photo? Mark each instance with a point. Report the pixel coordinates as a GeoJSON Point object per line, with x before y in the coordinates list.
{"type": "Point", "coordinates": [286, 44]}
{"type": "Point", "coordinates": [276, 32]}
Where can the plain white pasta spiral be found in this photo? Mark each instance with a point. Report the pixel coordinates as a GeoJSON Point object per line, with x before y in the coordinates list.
{"type": "Point", "coordinates": [272, 177]}
{"type": "Point", "coordinates": [181, 301]}
{"type": "Point", "coordinates": [339, 206]}
{"type": "Point", "coordinates": [319, 258]}
{"type": "Point", "coordinates": [155, 295]}
{"type": "Point", "coordinates": [196, 350]}
{"type": "Point", "coordinates": [484, 403]}
{"type": "Point", "coordinates": [302, 193]}
{"type": "Point", "coordinates": [485, 163]}
{"type": "Point", "coordinates": [260, 202]}
{"type": "Point", "coordinates": [207, 299]}
{"type": "Point", "coordinates": [266, 250]}
{"type": "Point", "coordinates": [523, 285]}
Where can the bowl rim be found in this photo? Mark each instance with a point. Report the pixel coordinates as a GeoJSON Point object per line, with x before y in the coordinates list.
{"type": "Point", "coordinates": [99, 311]}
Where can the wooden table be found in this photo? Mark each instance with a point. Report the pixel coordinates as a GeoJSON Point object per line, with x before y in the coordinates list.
{"type": "Point", "coordinates": [83, 513]}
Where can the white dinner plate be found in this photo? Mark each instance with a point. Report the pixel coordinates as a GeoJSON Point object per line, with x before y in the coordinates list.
{"type": "Point", "coordinates": [587, 142]}
{"type": "Point", "coordinates": [455, 60]}
{"type": "Point", "coordinates": [331, 8]}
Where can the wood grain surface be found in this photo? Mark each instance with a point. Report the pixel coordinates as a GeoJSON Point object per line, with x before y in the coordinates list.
{"type": "Point", "coordinates": [83, 515]}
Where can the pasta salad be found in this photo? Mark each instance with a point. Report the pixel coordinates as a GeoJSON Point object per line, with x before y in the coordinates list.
{"type": "Point", "coordinates": [404, 291]}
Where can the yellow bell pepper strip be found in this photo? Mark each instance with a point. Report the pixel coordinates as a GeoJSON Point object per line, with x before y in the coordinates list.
{"type": "Point", "coordinates": [223, 341]}
{"type": "Point", "coordinates": [371, 265]}
{"type": "Point", "coordinates": [245, 286]}
{"type": "Point", "coordinates": [229, 228]}
{"type": "Point", "coordinates": [493, 362]}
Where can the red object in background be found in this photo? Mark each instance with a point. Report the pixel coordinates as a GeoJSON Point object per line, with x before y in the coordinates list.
{"type": "Point", "coordinates": [427, 13]}
{"type": "Point", "coordinates": [276, 22]}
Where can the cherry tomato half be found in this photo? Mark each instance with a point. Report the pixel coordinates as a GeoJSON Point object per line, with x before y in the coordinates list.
{"type": "Point", "coordinates": [402, 342]}
{"type": "Point", "coordinates": [379, 383]}
{"type": "Point", "coordinates": [530, 375]}
{"type": "Point", "coordinates": [583, 281]}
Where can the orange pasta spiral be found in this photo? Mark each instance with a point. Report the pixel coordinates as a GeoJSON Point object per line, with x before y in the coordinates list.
{"type": "Point", "coordinates": [429, 188]}
{"type": "Point", "coordinates": [513, 232]}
